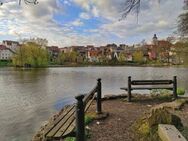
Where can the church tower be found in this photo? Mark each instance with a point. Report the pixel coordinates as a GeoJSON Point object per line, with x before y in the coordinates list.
{"type": "Point", "coordinates": [155, 40]}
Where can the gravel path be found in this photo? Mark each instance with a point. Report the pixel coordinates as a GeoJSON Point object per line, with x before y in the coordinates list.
{"type": "Point", "coordinates": [117, 127]}
{"type": "Point", "coordinates": [183, 114]}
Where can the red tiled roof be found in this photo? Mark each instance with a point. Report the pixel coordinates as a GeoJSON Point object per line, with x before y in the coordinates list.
{"type": "Point", "coordinates": [150, 46]}
{"type": "Point", "coordinates": [164, 43]}
{"type": "Point", "coordinates": [53, 48]}
{"type": "Point", "coordinates": [94, 52]}
{"type": "Point", "coordinates": [9, 42]}
{"type": "Point", "coordinates": [2, 47]}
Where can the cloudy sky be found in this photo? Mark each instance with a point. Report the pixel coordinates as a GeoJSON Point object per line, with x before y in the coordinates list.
{"type": "Point", "coordinates": [82, 22]}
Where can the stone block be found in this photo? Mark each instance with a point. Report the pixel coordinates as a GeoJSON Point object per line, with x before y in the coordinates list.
{"type": "Point", "coordinates": [169, 133]}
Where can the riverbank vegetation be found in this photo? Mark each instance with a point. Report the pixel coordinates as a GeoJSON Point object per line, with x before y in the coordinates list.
{"type": "Point", "coordinates": [34, 55]}
{"type": "Point", "coordinates": [30, 55]}
{"type": "Point", "coordinates": [5, 63]}
{"type": "Point", "coordinates": [165, 52]}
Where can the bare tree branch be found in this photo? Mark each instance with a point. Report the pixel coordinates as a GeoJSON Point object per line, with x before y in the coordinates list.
{"type": "Point", "coordinates": [29, 1]}
{"type": "Point", "coordinates": [130, 5]}
{"type": "Point", "coordinates": [183, 21]}
{"type": "Point", "coordinates": [20, 1]}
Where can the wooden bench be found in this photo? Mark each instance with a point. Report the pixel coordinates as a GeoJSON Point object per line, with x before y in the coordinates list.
{"type": "Point", "coordinates": [71, 122]}
{"type": "Point", "coordinates": [150, 85]}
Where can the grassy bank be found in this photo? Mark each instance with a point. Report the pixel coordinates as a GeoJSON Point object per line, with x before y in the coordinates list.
{"type": "Point", "coordinates": [132, 64]}
{"type": "Point", "coordinates": [4, 63]}
{"type": "Point", "coordinates": [94, 64]}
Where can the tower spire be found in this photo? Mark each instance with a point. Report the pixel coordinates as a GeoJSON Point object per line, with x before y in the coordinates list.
{"type": "Point", "coordinates": [155, 39]}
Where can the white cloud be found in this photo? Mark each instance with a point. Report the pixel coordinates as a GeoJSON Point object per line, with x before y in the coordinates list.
{"type": "Point", "coordinates": [95, 12]}
{"type": "Point", "coordinates": [152, 19]}
{"type": "Point", "coordinates": [85, 15]}
{"type": "Point", "coordinates": [38, 20]}
{"type": "Point", "coordinates": [162, 23]}
{"type": "Point", "coordinates": [77, 22]}
{"type": "Point", "coordinates": [66, 2]}
{"type": "Point", "coordinates": [83, 3]}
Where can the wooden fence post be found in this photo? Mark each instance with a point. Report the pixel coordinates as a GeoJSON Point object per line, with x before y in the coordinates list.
{"type": "Point", "coordinates": [80, 125]}
{"type": "Point", "coordinates": [175, 87]}
{"type": "Point", "coordinates": [129, 89]}
{"type": "Point", "coordinates": [99, 107]}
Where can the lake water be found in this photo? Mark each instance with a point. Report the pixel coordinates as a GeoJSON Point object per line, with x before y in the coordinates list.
{"type": "Point", "coordinates": [30, 97]}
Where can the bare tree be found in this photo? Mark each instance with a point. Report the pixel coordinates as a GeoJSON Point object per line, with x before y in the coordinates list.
{"type": "Point", "coordinates": [131, 6]}
{"type": "Point", "coordinates": [134, 6]}
{"type": "Point", "coordinates": [20, 1]}
{"type": "Point", "coordinates": [183, 21]}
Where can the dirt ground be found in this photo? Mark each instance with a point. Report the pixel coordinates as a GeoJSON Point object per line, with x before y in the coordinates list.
{"type": "Point", "coordinates": [183, 114]}
{"type": "Point", "coordinates": [117, 126]}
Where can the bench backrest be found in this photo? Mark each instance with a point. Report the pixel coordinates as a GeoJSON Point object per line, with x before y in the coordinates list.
{"type": "Point", "coordinates": [172, 85]}
{"type": "Point", "coordinates": [88, 98]}
{"type": "Point", "coordinates": [151, 82]}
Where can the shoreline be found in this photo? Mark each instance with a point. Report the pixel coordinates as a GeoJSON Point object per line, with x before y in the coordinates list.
{"type": "Point", "coordinates": [97, 65]}
{"type": "Point", "coordinates": [144, 102]}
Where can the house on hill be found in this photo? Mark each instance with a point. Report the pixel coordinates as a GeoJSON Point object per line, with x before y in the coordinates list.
{"type": "Point", "coordinates": [12, 45]}
{"type": "Point", "coordinates": [5, 53]}
{"type": "Point", "coordinates": [53, 52]}
{"type": "Point", "coordinates": [93, 55]}
{"type": "Point", "coordinates": [161, 50]}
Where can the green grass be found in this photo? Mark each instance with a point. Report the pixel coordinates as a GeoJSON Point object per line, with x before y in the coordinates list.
{"type": "Point", "coordinates": [185, 132]}
{"type": "Point", "coordinates": [4, 63]}
{"type": "Point", "coordinates": [70, 139]}
{"type": "Point", "coordinates": [161, 94]}
{"type": "Point", "coordinates": [180, 91]}
{"type": "Point", "coordinates": [165, 94]}
{"type": "Point", "coordinates": [88, 119]}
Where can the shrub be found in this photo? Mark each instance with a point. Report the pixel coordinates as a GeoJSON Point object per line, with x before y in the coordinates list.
{"type": "Point", "coordinates": [161, 94]}
{"type": "Point", "coordinates": [146, 127]}
{"type": "Point", "coordinates": [70, 139]}
{"type": "Point", "coordinates": [88, 119]}
{"type": "Point", "coordinates": [180, 91]}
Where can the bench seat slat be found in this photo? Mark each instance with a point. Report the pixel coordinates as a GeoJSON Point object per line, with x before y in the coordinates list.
{"type": "Point", "coordinates": [65, 119]}
{"type": "Point", "coordinates": [52, 125]}
{"type": "Point", "coordinates": [65, 123]}
{"type": "Point", "coordinates": [61, 132]}
{"type": "Point", "coordinates": [70, 129]}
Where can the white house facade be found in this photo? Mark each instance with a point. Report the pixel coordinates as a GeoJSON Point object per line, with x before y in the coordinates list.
{"type": "Point", "coordinates": [5, 53]}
